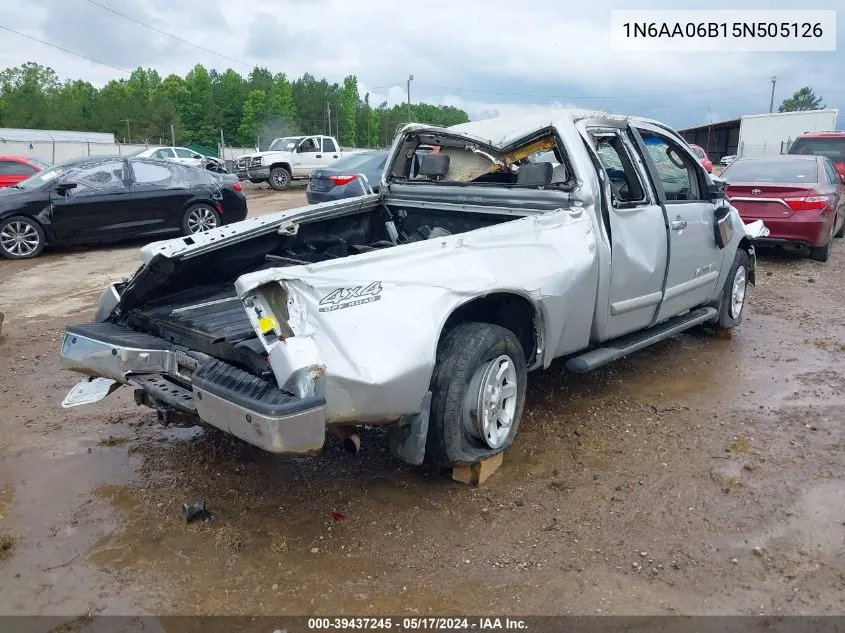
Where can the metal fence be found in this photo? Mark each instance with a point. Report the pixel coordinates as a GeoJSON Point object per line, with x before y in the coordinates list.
{"type": "Point", "coordinates": [58, 151]}
{"type": "Point", "coordinates": [768, 148]}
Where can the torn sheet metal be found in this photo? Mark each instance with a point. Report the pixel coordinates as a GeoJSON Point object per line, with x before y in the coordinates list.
{"type": "Point", "coordinates": [756, 229]}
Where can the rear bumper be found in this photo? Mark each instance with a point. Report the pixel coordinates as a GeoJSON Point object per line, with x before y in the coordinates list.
{"type": "Point", "coordinates": [289, 425]}
{"type": "Point", "coordinates": [803, 227]}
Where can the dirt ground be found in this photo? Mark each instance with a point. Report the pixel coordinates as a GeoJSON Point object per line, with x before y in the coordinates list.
{"type": "Point", "coordinates": [700, 476]}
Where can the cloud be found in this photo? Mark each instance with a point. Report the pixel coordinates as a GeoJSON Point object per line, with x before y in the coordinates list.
{"type": "Point", "coordinates": [486, 56]}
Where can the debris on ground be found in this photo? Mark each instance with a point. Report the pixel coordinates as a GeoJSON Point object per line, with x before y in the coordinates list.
{"type": "Point", "coordinates": [7, 543]}
{"type": "Point", "coordinates": [196, 512]}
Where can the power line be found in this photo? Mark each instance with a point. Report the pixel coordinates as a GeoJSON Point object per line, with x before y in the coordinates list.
{"type": "Point", "coordinates": [170, 35]}
{"type": "Point", "coordinates": [538, 96]}
{"type": "Point", "coordinates": [90, 59]}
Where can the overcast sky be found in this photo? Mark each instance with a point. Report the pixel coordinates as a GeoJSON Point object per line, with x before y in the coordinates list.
{"type": "Point", "coordinates": [485, 56]}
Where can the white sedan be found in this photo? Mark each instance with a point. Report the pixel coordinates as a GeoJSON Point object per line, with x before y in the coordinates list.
{"type": "Point", "coordinates": [179, 154]}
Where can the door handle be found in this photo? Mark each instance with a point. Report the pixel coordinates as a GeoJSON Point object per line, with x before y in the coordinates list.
{"type": "Point", "coordinates": [335, 156]}
{"type": "Point", "coordinates": [318, 156]}
{"type": "Point", "coordinates": [679, 225]}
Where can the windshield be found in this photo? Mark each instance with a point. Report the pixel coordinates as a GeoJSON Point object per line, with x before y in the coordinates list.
{"type": "Point", "coordinates": [43, 164]}
{"type": "Point", "coordinates": [287, 143]}
{"type": "Point", "coordinates": [761, 170]}
{"type": "Point", "coordinates": [833, 148]}
{"type": "Point", "coordinates": [41, 178]}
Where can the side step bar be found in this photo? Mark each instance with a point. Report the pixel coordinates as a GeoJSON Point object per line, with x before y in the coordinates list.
{"type": "Point", "coordinates": [624, 345]}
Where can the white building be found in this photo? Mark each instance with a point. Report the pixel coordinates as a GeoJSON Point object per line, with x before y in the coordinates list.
{"type": "Point", "coordinates": [758, 134]}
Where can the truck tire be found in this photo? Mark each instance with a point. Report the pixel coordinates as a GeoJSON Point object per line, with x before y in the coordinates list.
{"type": "Point", "coordinates": [733, 294]}
{"type": "Point", "coordinates": [477, 394]}
{"type": "Point", "coordinates": [279, 178]}
{"type": "Point", "coordinates": [21, 238]}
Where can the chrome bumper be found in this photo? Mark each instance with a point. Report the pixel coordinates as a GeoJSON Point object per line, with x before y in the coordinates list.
{"type": "Point", "coordinates": [298, 432]}
{"type": "Point", "coordinates": [256, 173]}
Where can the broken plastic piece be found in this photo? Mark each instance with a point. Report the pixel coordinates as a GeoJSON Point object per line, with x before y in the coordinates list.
{"type": "Point", "coordinates": [195, 512]}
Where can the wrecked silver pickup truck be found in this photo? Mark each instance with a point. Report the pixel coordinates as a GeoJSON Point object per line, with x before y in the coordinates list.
{"type": "Point", "coordinates": [514, 242]}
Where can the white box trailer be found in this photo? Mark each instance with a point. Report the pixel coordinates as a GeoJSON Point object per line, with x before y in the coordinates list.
{"type": "Point", "coordinates": [766, 134]}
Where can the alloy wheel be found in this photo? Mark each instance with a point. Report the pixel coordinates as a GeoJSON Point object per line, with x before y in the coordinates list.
{"type": "Point", "coordinates": [19, 238]}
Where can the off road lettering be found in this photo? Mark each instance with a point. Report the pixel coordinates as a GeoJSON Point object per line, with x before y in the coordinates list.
{"type": "Point", "coordinates": [348, 297]}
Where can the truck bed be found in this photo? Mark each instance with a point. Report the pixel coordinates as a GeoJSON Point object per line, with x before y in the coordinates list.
{"type": "Point", "coordinates": [211, 320]}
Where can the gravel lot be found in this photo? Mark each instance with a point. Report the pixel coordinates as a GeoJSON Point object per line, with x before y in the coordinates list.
{"type": "Point", "coordinates": [702, 475]}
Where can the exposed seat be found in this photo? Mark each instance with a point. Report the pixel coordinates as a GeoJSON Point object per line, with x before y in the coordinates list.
{"type": "Point", "coordinates": [535, 175]}
{"type": "Point", "coordinates": [434, 165]}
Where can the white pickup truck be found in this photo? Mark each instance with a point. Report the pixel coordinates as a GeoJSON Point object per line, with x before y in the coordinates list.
{"type": "Point", "coordinates": [289, 158]}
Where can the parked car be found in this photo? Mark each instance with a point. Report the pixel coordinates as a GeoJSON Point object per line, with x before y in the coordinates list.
{"type": "Point", "coordinates": [13, 169]}
{"type": "Point", "coordinates": [288, 159]}
{"type": "Point", "coordinates": [800, 198]}
{"type": "Point", "coordinates": [703, 158]}
{"type": "Point", "coordinates": [184, 156]}
{"type": "Point", "coordinates": [342, 179]}
{"type": "Point", "coordinates": [424, 306]}
{"type": "Point", "coordinates": [727, 159]}
{"type": "Point", "coordinates": [828, 144]}
{"type": "Point", "coordinates": [110, 198]}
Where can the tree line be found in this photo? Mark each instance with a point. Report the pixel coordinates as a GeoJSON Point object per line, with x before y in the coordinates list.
{"type": "Point", "coordinates": [251, 111]}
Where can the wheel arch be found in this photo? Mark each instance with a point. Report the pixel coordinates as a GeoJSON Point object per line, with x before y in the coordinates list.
{"type": "Point", "coordinates": [284, 164]}
{"type": "Point", "coordinates": [747, 245]}
{"type": "Point", "coordinates": [511, 309]}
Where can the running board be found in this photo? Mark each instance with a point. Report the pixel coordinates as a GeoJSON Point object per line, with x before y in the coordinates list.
{"type": "Point", "coordinates": [624, 345]}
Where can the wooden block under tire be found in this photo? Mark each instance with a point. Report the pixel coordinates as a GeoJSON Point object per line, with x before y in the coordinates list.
{"type": "Point", "coordinates": [477, 474]}
{"type": "Point", "coordinates": [724, 332]}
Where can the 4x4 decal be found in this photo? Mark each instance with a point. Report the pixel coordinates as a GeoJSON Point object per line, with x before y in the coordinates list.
{"type": "Point", "coordinates": [348, 297]}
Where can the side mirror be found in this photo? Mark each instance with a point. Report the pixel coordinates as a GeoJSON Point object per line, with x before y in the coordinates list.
{"type": "Point", "coordinates": [63, 187]}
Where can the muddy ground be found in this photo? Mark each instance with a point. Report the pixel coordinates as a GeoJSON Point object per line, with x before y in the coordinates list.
{"type": "Point", "coordinates": [703, 475]}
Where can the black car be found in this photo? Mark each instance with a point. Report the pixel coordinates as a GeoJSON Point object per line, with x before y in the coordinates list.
{"type": "Point", "coordinates": [110, 198]}
{"type": "Point", "coordinates": [340, 179]}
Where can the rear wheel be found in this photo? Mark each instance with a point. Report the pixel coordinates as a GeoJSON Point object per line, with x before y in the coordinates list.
{"type": "Point", "coordinates": [478, 393]}
{"type": "Point", "coordinates": [733, 295]}
{"type": "Point", "coordinates": [21, 238]}
{"type": "Point", "coordinates": [199, 219]}
{"type": "Point", "coordinates": [279, 178]}
{"type": "Point", "coordinates": [822, 253]}
{"type": "Point", "coordinates": [841, 231]}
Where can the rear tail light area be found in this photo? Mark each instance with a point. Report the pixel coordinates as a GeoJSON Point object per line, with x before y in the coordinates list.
{"type": "Point", "coordinates": [808, 203]}
{"type": "Point", "coordinates": [341, 180]}
{"type": "Point", "coordinates": [237, 186]}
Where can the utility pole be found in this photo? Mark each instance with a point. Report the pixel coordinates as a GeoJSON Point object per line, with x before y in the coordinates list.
{"type": "Point", "coordinates": [709, 129]}
{"type": "Point", "coordinates": [410, 79]}
{"type": "Point", "coordinates": [173, 134]}
{"type": "Point", "coordinates": [222, 145]}
{"type": "Point", "coordinates": [329, 115]}
{"type": "Point", "coordinates": [772, 100]}
{"type": "Point", "coordinates": [128, 133]}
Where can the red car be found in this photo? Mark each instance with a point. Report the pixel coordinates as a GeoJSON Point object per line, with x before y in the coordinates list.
{"type": "Point", "coordinates": [828, 144]}
{"type": "Point", "coordinates": [13, 169]}
{"type": "Point", "coordinates": [801, 199]}
{"type": "Point", "coordinates": [703, 158]}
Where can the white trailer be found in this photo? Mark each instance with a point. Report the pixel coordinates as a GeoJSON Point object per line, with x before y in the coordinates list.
{"type": "Point", "coordinates": [766, 134]}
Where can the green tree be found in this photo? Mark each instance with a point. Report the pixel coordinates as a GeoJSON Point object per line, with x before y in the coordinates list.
{"type": "Point", "coordinates": [254, 112]}
{"type": "Point", "coordinates": [26, 92]}
{"type": "Point", "coordinates": [802, 99]}
{"type": "Point", "coordinates": [347, 111]}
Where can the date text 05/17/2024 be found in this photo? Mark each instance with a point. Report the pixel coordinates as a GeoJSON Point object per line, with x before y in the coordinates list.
{"type": "Point", "coordinates": [417, 624]}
